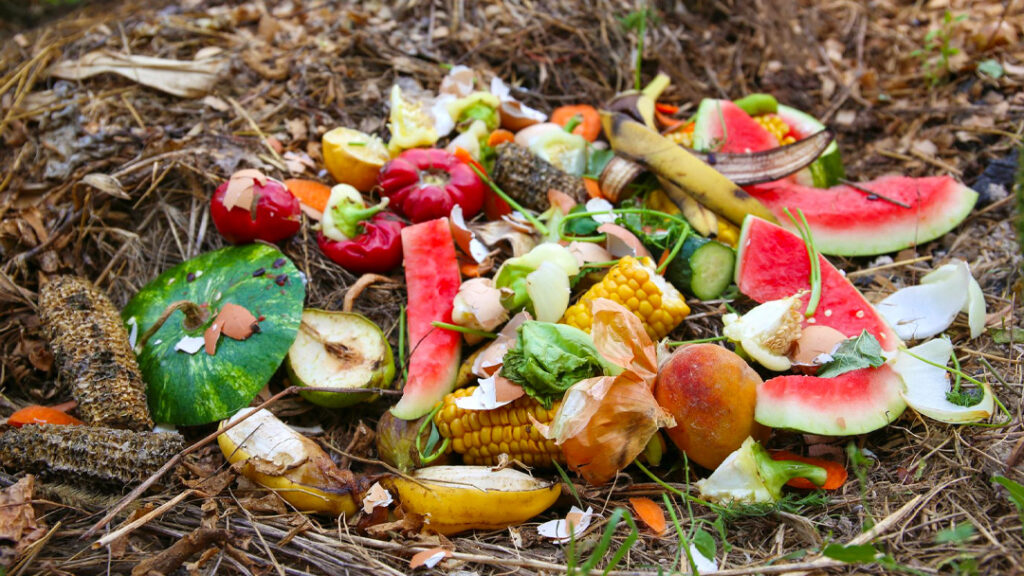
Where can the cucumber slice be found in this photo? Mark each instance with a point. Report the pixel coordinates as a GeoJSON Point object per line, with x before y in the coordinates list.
{"type": "Point", "coordinates": [703, 268]}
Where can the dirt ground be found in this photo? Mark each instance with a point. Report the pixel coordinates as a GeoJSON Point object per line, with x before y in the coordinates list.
{"type": "Point", "coordinates": [110, 179]}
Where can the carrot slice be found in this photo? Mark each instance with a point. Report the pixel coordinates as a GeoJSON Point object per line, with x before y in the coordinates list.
{"type": "Point", "coordinates": [41, 415]}
{"type": "Point", "coordinates": [500, 136]}
{"type": "Point", "coordinates": [666, 108]}
{"type": "Point", "coordinates": [650, 513]}
{"type": "Point", "coordinates": [590, 121]}
{"type": "Point", "coordinates": [593, 188]}
{"type": "Point", "coordinates": [836, 472]}
{"type": "Point", "coordinates": [666, 120]}
{"type": "Point", "coordinates": [309, 192]}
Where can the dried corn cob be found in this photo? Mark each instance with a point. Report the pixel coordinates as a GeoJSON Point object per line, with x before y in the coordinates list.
{"type": "Point", "coordinates": [777, 126]}
{"type": "Point", "coordinates": [91, 453]}
{"type": "Point", "coordinates": [481, 436]}
{"type": "Point", "coordinates": [527, 178]}
{"type": "Point", "coordinates": [636, 285]}
{"type": "Point", "coordinates": [92, 353]}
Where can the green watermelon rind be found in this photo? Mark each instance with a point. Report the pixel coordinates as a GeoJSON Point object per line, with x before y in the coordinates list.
{"type": "Point", "coordinates": [819, 405]}
{"type": "Point", "coordinates": [948, 203]}
{"type": "Point", "coordinates": [828, 169]}
{"type": "Point", "coordinates": [192, 389]}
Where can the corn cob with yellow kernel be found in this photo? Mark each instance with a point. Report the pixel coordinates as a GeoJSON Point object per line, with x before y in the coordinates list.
{"type": "Point", "coordinates": [481, 436]}
{"type": "Point", "coordinates": [93, 356]}
{"type": "Point", "coordinates": [636, 285]}
{"type": "Point", "coordinates": [777, 127]}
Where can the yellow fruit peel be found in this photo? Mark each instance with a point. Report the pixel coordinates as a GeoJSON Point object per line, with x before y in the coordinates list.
{"type": "Point", "coordinates": [455, 499]}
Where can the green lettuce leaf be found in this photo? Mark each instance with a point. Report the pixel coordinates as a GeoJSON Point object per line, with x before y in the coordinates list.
{"type": "Point", "coordinates": [864, 351]}
{"type": "Point", "coordinates": [549, 358]}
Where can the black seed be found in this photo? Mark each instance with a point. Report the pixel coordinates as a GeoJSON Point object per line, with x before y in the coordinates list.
{"type": "Point", "coordinates": [281, 280]}
{"type": "Point", "coordinates": [191, 276]}
{"type": "Point", "coordinates": [279, 262]}
{"type": "Point", "coordinates": [711, 159]}
{"type": "Point", "coordinates": [256, 328]}
{"type": "Point", "coordinates": [872, 196]}
{"type": "Point", "coordinates": [259, 272]}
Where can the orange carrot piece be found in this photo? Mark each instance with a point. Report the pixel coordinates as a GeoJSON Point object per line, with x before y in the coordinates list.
{"type": "Point", "coordinates": [41, 415]}
{"type": "Point", "coordinates": [590, 121]}
{"type": "Point", "coordinates": [836, 472]}
{"type": "Point", "coordinates": [500, 136]}
{"type": "Point", "coordinates": [593, 188]}
{"type": "Point", "coordinates": [464, 155]}
{"type": "Point", "coordinates": [309, 192]}
{"type": "Point", "coordinates": [666, 108]}
{"type": "Point", "coordinates": [666, 120]}
{"type": "Point", "coordinates": [650, 513]}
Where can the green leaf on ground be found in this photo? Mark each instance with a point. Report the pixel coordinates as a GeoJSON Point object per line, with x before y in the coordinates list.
{"type": "Point", "coordinates": [853, 554]}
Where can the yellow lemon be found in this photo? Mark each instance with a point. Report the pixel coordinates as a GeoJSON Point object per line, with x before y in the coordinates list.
{"type": "Point", "coordinates": [354, 158]}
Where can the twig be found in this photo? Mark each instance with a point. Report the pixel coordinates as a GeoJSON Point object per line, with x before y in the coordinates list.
{"type": "Point", "coordinates": [141, 488]}
{"type": "Point", "coordinates": [141, 520]}
{"type": "Point", "coordinates": [860, 188]}
{"type": "Point", "coordinates": [263, 137]}
{"type": "Point", "coordinates": [869, 271]}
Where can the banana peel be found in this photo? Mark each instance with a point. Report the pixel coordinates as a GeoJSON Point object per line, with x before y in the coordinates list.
{"type": "Point", "coordinates": [455, 499]}
{"type": "Point", "coordinates": [683, 170]}
{"type": "Point", "coordinates": [703, 221]}
{"type": "Point", "coordinates": [272, 454]}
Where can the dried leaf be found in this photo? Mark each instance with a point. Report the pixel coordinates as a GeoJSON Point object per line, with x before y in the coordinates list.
{"type": "Point", "coordinates": [105, 183]}
{"type": "Point", "coordinates": [18, 525]}
{"type": "Point", "coordinates": [184, 78]}
{"type": "Point", "coordinates": [240, 188]}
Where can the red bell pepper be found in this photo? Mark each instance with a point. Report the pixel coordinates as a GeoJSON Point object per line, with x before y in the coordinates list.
{"type": "Point", "coordinates": [251, 206]}
{"type": "Point", "coordinates": [424, 184]}
{"type": "Point", "coordinates": [358, 238]}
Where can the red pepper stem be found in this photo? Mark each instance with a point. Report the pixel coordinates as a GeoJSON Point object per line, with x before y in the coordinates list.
{"type": "Point", "coordinates": [349, 216]}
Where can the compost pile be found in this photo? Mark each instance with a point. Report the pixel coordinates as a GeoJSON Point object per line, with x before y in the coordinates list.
{"type": "Point", "coordinates": [336, 213]}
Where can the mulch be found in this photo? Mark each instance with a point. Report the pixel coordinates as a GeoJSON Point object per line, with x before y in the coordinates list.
{"type": "Point", "coordinates": [109, 179]}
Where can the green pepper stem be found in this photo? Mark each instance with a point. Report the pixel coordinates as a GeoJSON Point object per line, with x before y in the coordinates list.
{"type": "Point", "coordinates": [349, 215]}
{"type": "Point", "coordinates": [775, 473]}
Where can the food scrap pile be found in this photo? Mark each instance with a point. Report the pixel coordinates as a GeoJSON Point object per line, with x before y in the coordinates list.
{"type": "Point", "coordinates": [617, 324]}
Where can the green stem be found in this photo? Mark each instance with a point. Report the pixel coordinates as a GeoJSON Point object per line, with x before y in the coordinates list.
{"type": "Point", "coordinates": [697, 341]}
{"type": "Point", "coordinates": [815, 260]}
{"type": "Point", "coordinates": [429, 421]}
{"type": "Point", "coordinates": [508, 200]}
{"type": "Point", "coordinates": [573, 123]}
{"type": "Point", "coordinates": [463, 329]}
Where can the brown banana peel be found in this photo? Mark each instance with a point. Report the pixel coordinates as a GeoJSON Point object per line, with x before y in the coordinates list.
{"type": "Point", "coordinates": [270, 453]}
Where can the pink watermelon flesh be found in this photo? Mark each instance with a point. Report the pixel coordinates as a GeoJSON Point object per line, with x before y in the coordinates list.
{"type": "Point", "coordinates": [853, 403]}
{"type": "Point", "coordinates": [772, 264]}
{"type": "Point", "coordinates": [432, 280]}
{"type": "Point", "coordinates": [724, 127]}
{"type": "Point", "coordinates": [847, 222]}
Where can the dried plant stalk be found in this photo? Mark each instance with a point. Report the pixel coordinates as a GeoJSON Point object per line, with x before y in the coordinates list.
{"type": "Point", "coordinates": [95, 454]}
{"type": "Point", "coordinates": [92, 354]}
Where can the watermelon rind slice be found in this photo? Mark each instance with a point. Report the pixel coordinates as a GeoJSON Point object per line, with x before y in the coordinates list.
{"type": "Point", "coordinates": [828, 169]}
{"type": "Point", "coordinates": [848, 221]}
{"type": "Point", "coordinates": [857, 402]}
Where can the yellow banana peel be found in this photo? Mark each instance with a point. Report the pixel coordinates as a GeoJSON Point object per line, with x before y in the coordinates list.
{"type": "Point", "coordinates": [685, 171]}
{"type": "Point", "coordinates": [455, 499]}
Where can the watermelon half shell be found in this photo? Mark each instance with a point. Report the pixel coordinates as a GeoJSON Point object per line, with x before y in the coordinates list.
{"type": "Point", "coordinates": [189, 389]}
{"type": "Point", "coordinates": [772, 264]}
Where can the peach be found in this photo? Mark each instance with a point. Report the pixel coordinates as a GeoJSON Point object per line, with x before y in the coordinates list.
{"type": "Point", "coordinates": [711, 393]}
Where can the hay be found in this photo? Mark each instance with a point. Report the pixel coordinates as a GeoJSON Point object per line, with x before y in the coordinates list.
{"type": "Point", "coordinates": [298, 69]}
